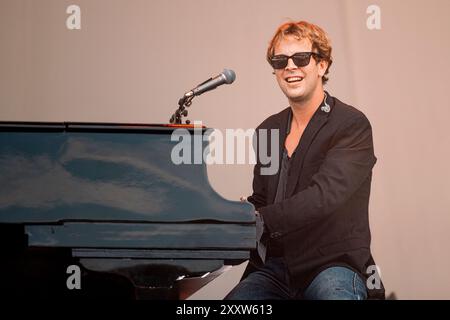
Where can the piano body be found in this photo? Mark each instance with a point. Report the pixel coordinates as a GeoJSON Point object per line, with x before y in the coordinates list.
{"type": "Point", "coordinates": [107, 199]}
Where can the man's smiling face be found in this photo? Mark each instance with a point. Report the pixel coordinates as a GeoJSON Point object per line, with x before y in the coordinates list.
{"type": "Point", "coordinates": [298, 83]}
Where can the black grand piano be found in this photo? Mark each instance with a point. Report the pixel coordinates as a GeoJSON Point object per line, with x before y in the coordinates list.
{"type": "Point", "coordinates": [107, 200]}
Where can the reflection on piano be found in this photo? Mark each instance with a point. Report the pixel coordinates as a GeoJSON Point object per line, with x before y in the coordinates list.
{"type": "Point", "coordinates": [108, 199]}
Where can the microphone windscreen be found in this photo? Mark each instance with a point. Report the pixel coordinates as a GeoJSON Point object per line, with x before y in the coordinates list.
{"type": "Point", "coordinates": [230, 76]}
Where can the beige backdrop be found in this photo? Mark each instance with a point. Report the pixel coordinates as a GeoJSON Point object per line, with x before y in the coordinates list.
{"type": "Point", "coordinates": [132, 60]}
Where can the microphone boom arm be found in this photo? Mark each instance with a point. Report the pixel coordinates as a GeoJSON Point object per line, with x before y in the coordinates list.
{"type": "Point", "coordinates": [226, 77]}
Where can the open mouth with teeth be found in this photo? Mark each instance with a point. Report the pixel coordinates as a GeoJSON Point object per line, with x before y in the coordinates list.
{"type": "Point", "coordinates": [293, 79]}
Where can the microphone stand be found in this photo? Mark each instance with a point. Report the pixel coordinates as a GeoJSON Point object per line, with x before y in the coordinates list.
{"type": "Point", "coordinates": [183, 103]}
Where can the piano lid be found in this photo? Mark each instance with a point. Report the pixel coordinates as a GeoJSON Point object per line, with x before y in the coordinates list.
{"type": "Point", "coordinates": [54, 172]}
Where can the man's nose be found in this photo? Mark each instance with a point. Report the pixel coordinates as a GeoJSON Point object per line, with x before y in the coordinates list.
{"type": "Point", "coordinates": [291, 64]}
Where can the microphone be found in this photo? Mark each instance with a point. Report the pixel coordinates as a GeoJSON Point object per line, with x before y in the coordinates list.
{"type": "Point", "coordinates": [227, 76]}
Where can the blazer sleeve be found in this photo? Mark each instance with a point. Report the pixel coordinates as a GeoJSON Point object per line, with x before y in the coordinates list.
{"type": "Point", "coordinates": [347, 164]}
{"type": "Point", "coordinates": [259, 195]}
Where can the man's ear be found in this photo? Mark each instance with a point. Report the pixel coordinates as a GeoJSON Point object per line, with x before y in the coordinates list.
{"type": "Point", "coordinates": [323, 65]}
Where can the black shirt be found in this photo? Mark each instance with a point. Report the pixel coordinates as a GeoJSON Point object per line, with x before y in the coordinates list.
{"type": "Point", "coordinates": [275, 247]}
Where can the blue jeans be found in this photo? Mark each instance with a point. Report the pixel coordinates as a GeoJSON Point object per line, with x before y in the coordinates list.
{"type": "Point", "coordinates": [271, 282]}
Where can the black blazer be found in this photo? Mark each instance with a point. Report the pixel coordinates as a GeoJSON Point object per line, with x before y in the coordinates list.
{"type": "Point", "coordinates": [324, 219]}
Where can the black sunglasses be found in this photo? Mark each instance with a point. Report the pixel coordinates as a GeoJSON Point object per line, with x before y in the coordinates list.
{"type": "Point", "coordinates": [300, 59]}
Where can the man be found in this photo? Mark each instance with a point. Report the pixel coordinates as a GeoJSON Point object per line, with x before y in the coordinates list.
{"type": "Point", "coordinates": [315, 209]}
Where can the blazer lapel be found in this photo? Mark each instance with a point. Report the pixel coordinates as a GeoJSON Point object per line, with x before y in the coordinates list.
{"type": "Point", "coordinates": [318, 120]}
{"type": "Point", "coordinates": [281, 125]}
